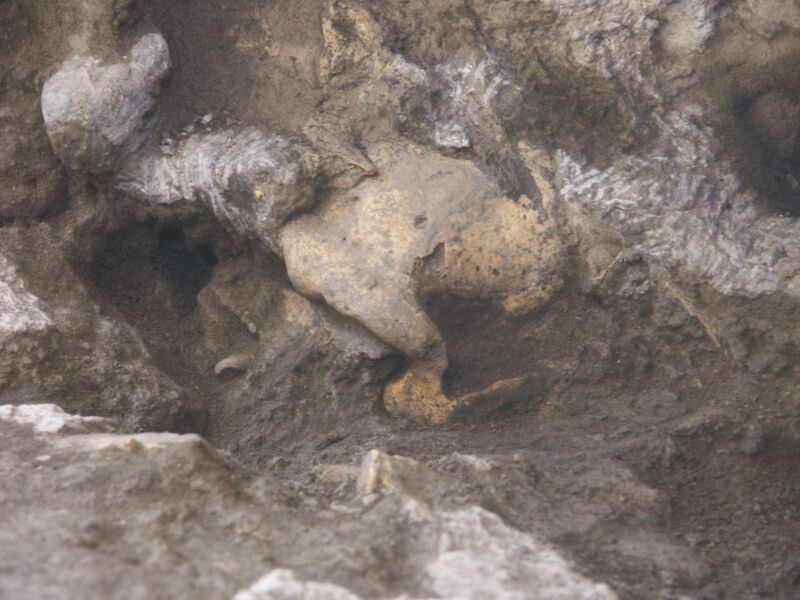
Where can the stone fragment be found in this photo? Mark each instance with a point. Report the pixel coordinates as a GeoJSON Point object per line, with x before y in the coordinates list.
{"type": "Point", "coordinates": [687, 26]}
{"type": "Point", "coordinates": [381, 472]}
{"type": "Point", "coordinates": [336, 473]}
{"type": "Point", "coordinates": [252, 182]}
{"type": "Point", "coordinates": [481, 557]}
{"type": "Point", "coordinates": [57, 346]}
{"type": "Point", "coordinates": [19, 309]}
{"type": "Point", "coordinates": [95, 113]}
{"type": "Point", "coordinates": [49, 418]}
{"type": "Point", "coordinates": [477, 463]}
{"type": "Point", "coordinates": [25, 329]}
{"type": "Point", "coordinates": [235, 362]}
{"type": "Point", "coordinates": [282, 584]}
{"type": "Point", "coordinates": [146, 441]}
{"type": "Point", "coordinates": [466, 554]}
{"type": "Point", "coordinates": [171, 502]}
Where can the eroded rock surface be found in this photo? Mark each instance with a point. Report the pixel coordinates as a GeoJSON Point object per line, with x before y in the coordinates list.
{"type": "Point", "coordinates": [94, 112]}
{"type": "Point", "coordinates": [58, 346]}
{"type": "Point", "coordinates": [332, 275]}
{"type": "Point", "coordinates": [251, 182]}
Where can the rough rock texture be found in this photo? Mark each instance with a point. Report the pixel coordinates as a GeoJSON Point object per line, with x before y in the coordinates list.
{"type": "Point", "coordinates": [251, 182]}
{"type": "Point", "coordinates": [58, 346]}
{"type": "Point", "coordinates": [48, 418]}
{"type": "Point", "coordinates": [188, 484]}
{"type": "Point", "coordinates": [282, 583]}
{"type": "Point", "coordinates": [683, 209]}
{"type": "Point", "coordinates": [441, 298]}
{"type": "Point", "coordinates": [94, 113]}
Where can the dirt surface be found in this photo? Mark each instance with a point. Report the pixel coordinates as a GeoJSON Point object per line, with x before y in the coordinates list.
{"type": "Point", "coordinates": [651, 426]}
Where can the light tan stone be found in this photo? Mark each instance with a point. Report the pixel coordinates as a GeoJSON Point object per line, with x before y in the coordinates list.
{"type": "Point", "coordinates": [383, 473]}
{"type": "Point", "coordinates": [363, 252]}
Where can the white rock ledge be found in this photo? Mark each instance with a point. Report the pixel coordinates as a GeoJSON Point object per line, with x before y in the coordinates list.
{"type": "Point", "coordinates": [49, 418]}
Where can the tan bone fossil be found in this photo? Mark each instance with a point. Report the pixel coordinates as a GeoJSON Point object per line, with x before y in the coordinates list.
{"type": "Point", "coordinates": [359, 253]}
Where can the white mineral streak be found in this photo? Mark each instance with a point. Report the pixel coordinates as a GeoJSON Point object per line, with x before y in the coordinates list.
{"type": "Point", "coordinates": [451, 134]}
{"type": "Point", "coordinates": [471, 92]}
{"type": "Point", "coordinates": [680, 205]}
{"type": "Point", "coordinates": [48, 418]}
{"type": "Point", "coordinates": [609, 37]}
{"type": "Point", "coordinates": [98, 442]}
{"type": "Point", "coordinates": [480, 80]}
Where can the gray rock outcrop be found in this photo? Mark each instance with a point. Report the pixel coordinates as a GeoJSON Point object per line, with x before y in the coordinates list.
{"type": "Point", "coordinates": [96, 113]}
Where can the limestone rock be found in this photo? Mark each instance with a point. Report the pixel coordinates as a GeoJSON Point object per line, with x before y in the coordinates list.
{"type": "Point", "coordinates": [282, 584]}
{"type": "Point", "coordinates": [468, 554]}
{"type": "Point", "coordinates": [99, 541]}
{"type": "Point", "coordinates": [481, 557]}
{"type": "Point", "coordinates": [382, 473]}
{"type": "Point", "coordinates": [19, 309]}
{"type": "Point", "coordinates": [687, 27]}
{"type": "Point", "coordinates": [201, 516]}
{"type": "Point", "coordinates": [95, 113]}
{"type": "Point", "coordinates": [252, 182]}
{"type": "Point", "coordinates": [48, 418]}
{"type": "Point", "coordinates": [56, 347]}
{"type": "Point", "coordinates": [26, 331]}
{"type": "Point", "coordinates": [670, 212]}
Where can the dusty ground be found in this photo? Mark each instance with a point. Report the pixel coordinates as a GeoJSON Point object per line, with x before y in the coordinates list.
{"type": "Point", "coordinates": [652, 435]}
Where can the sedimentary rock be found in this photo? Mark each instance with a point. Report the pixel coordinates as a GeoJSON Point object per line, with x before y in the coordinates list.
{"type": "Point", "coordinates": [57, 346]}
{"type": "Point", "coordinates": [283, 584]}
{"type": "Point", "coordinates": [49, 418]}
{"type": "Point", "coordinates": [194, 493]}
{"type": "Point", "coordinates": [249, 180]}
{"type": "Point", "coordinates": [95, 113]}
{"type": "Point", "coordinates": [681, 207]}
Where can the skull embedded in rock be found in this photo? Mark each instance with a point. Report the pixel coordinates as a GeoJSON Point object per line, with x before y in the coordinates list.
{"type": "Point", "coordinates": [364, 251]}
